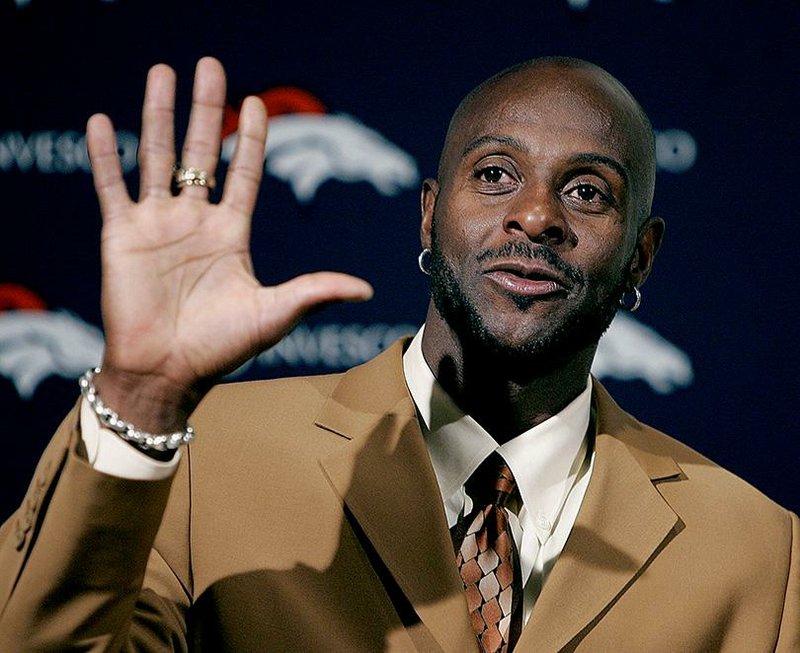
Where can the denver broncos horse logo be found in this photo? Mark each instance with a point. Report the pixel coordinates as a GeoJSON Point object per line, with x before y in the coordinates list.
{"type": "Point", "coordinates": [307, 146]}
{"type": "Point", "coordinates": [36, 343]}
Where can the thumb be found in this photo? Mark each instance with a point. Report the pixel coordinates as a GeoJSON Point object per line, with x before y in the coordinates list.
{"type": "Point", "coordinates": [281, 307]}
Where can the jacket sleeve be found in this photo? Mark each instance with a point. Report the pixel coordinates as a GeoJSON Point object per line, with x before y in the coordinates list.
{"type": "Point", "coordinates": [789, 637]}
{"type": "Point", "coordinates": [75, 555]}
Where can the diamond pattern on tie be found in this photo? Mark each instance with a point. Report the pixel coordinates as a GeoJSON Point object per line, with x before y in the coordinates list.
{"type": "Point", "coordinates": [486, 560]}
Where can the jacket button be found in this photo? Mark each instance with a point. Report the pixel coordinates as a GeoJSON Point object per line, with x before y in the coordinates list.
{"type": "Point", "coordinates": [19, 538]}
{"type": "Point", "coordinates": [32, 502]}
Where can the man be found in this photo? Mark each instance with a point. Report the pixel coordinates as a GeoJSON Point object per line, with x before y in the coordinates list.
{"type": "Point", "coordinates": [358, 512]}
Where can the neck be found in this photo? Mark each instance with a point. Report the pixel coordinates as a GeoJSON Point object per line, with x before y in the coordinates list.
{"type": "Point", "coordinates": [504, 397]}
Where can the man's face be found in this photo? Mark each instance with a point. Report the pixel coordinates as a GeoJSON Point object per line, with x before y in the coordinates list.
{"type": "Point", "coordinates": [534, 226]}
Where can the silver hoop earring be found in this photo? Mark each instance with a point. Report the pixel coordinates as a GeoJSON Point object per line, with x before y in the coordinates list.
{"type": "Point", "coordinates": [637, 300]}
{"type": "Point", "coordinates": [424, 261]}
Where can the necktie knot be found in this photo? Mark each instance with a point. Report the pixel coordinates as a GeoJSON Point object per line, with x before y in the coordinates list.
{"type": "Point", "coordinates": [493, 484]}
{"type": "Point", "coordinates": [504, 485]}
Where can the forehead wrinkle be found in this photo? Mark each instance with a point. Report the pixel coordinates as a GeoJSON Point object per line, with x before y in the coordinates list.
{"type": "Point", "coordinates": [491, 139]}
{"type": "Point", "coordinates": [534, 106]}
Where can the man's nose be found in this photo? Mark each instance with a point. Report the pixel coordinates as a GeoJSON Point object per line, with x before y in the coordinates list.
{"type": "Point", "coordinates": [538, 214]}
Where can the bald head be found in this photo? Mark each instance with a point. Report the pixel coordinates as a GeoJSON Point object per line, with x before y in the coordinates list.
{"type": "Point", "coordinates": [532, 88]}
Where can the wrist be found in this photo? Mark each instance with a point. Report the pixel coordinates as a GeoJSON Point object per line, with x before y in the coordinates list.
{"type": "Point", "coordinates": [160, 445]}
{"type": "Point", "coordinates": [153, 403]}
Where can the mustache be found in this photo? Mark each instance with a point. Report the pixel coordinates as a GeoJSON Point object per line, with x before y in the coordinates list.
{"type": "Point", "coordinates": [525, 249]}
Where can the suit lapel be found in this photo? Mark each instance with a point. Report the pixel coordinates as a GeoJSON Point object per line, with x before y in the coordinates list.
{"type": "Point", "coordinates": [385, 479]}
{"type": "Point", "coordinates": [623, 524]}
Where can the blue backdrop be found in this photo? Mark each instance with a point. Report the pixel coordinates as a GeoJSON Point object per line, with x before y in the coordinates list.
{"type": "Point", "coordinates": [363, 93]}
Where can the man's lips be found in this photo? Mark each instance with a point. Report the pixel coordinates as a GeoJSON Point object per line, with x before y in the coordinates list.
{"type": "Point", "coordinates": [527, 277]}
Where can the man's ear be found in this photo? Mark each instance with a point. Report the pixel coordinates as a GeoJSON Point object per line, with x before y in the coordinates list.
{"type": "Point", "coordinates": [430, 191]}
{"type": "Point", "coordinates": [651, 233]}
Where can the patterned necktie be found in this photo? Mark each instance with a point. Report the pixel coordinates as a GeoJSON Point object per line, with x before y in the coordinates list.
{"type": "Point", "coordinates": [487, 559]}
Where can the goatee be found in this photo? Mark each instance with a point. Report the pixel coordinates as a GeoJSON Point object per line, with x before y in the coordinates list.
{"type": "Point", "coordinates": [554, 344]}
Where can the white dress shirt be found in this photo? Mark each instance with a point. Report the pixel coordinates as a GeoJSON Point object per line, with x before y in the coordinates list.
{"type": "Point", "coordinates": [110, 454]}
{"type": "Point", "coordinates": [551, 463]}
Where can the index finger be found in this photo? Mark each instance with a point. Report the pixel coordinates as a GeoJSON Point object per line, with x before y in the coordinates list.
{"type": "Point", "coordinates": [101, 142]}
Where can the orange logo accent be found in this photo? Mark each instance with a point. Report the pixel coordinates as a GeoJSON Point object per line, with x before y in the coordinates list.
{"type": "Point", "coordinates": [278, 100]}
{"type": "Point", "coordinates": [16, 297]}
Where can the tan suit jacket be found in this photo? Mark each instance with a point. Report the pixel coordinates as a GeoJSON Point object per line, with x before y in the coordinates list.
{"type": "Point", "coordinates": [307, 517]}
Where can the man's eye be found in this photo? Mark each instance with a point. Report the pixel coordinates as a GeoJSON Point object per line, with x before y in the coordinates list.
{"type": "Point", "coordinates": [587, 193]}
{"type": "Point", "coordinates": [491, 174]}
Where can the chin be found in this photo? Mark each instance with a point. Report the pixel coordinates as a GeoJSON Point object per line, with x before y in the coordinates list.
{"type": "Point", "coordinates": [525, 337]}
{"type": "Point", "coordinates": [533, 351]}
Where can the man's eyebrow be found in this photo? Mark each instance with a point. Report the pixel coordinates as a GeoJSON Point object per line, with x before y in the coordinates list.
{"type": "Point", "coordinates": [582, 158]}
{"type": "Point", "coordinates": [494, 140]}
{"type": "Point", "coordinates": [601, 159]}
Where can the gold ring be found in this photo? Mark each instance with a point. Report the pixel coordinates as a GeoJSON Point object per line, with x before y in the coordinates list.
{"type": "Point", "coordinates": [192, 177]}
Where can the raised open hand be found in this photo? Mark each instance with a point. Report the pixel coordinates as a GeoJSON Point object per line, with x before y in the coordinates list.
{"type": "Point", "coordinates": [181, 305]}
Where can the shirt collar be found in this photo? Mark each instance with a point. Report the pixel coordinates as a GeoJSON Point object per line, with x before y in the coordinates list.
{"type": "Point", "coordinates": [545, 459]}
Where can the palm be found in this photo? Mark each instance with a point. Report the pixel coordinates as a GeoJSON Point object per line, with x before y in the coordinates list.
{"type": "Point", "coordinates": [175, 276]}
{"type": "Point", "coordinates": [180, 301]}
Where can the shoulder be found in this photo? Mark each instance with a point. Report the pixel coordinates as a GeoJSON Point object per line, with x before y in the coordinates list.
{"type": "Point", "coordinates": [284, 394]}
{"type": "Point", "coordinates": [728, 538]}
{"type": "Point", "coordinates": [702, 491]}
{"type": "Point", "coordinates": [258, 411]}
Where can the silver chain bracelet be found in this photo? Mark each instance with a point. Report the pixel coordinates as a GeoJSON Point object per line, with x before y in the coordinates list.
{"type": "Point", "coordinates": [127, 431]}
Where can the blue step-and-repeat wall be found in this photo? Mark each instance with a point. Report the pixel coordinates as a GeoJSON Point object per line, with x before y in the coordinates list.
{"type": "Point", "coordinates": [361, 94]}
